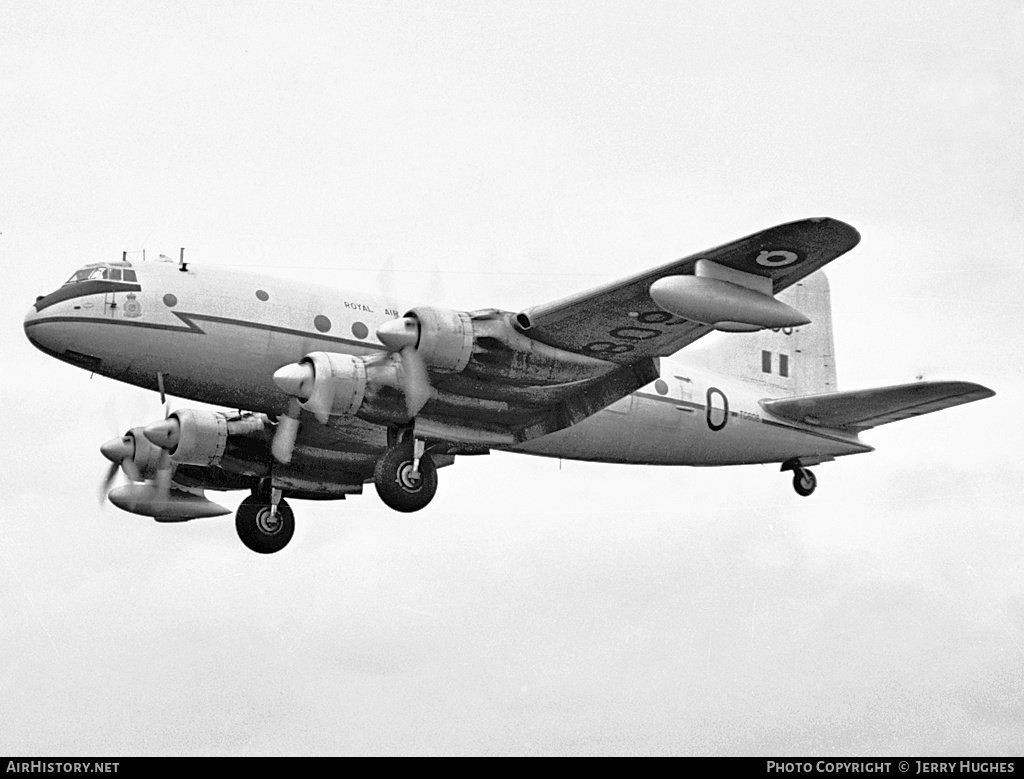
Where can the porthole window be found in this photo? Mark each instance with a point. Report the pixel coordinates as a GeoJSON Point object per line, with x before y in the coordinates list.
{"type": "Point", "coordinates": [262, 295]}
{"type": "Point", "coordinates": [359, 330]}
{"type": "Point", "coordinates": [661, 387]}
{"type": "Point", "coordinates": [170, 301]}
{"type": "Point", "coordinates": [321, 323]}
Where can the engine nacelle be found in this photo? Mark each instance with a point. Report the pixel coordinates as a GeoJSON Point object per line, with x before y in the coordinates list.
{"type": "Point", "coordinates": [488, 344]}
{"type": "Point", "coordinates": [330, 383]}
{"type": "Point", "coordinates": [202, 437]}
{"type": "Point", "coordinates": [445, 337]}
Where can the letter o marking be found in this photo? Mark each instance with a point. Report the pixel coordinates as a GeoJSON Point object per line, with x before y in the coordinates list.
{"type": "Point", "coordinates": [776, 259]}
{"type": "Point", "coordinates": [722, 413]}
{"type": "Point", "coordinates": [654, 317]}
{"type": "Point", "coordinates": [634, 333]}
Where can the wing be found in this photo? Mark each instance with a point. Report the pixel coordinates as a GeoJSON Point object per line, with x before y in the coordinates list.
{"type": "Point", "coordinates": [864, 409]}
{"type": "Point", "coordinates": [620, 322]}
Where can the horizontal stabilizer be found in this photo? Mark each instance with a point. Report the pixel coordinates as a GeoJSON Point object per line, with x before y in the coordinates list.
{"type": "Point", "coordinates": [863, 409]}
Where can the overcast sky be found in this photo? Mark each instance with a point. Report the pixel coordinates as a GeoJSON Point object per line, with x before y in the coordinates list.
{"type": "Point", "coordinates": [506, 156]}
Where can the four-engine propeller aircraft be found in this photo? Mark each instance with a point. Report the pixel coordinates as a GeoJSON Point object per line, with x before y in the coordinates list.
{"type": "Point", "coordinates": [338, 388]}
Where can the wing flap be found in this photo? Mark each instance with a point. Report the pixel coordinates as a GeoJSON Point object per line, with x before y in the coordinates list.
{"type": "Point", "coordinates": [863, 409]}
{"type": "Point", "coordinates": [620, 322]}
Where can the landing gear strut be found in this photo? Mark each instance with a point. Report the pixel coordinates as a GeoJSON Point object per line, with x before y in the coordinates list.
{"type": "Point", "coordinates": [265, 526]}
{"type": "Point", "coordinates": [405, 476]}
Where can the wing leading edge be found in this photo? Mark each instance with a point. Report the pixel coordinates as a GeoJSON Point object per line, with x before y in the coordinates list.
{"type": "Point", "coordinates": [863, 409]}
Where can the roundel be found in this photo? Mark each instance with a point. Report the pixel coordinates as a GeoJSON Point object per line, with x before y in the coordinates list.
{"type": "Point", "coordinates": [777, 258]}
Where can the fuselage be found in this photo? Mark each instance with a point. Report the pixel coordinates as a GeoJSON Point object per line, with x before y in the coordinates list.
{"type": "Point", "coordinates": [217, 336]}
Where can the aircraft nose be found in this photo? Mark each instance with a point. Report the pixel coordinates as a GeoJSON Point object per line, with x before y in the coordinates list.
{"type": "Point", "coordinates": [30, 317]}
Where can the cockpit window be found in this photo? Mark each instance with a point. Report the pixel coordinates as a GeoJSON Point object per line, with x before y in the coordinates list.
{"type": "Point", "coordinates": [102, 273]}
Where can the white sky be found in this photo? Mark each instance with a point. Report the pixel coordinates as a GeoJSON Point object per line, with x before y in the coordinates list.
{"type": "Point", "coordinates": [506, 157]}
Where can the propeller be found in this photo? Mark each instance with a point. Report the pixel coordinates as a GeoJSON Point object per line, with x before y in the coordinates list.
{"type": "Point", "coordinates": [162, 479]}
{"type": "Point", "coordinates": [287, 431]}
{"type": "Point", "coordinates": [164, 434]}
{"type": "Point", "coordinates": [121, 453]}
{"type": "Point", "coordinates": [402, 336]}
{"type": "Point", "coordinates": [125, 453]}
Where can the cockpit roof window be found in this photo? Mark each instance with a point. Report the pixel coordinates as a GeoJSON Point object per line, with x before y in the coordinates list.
{"type": "Point", "coordinates": [104, 271]}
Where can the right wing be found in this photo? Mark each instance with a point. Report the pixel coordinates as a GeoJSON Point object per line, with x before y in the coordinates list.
{"type": "Point", "coordinates": [619, 322]}
{"type": "Point", "coordinates": [863, 409]}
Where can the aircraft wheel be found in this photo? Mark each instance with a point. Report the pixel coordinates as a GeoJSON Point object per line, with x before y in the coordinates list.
{"type": "Point", "coordinates": [260, 531]}
{"type": "Point", "coordinates": [804, 482]}
{"type": "Point", "coordinates": [396, 483]}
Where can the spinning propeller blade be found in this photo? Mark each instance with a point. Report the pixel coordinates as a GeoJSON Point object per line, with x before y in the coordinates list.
{"type": "Point", "coordinates": [162, 479]}
{"type": "Point", "coordinates": [107, 481]}
{"type": "Point", "coordinates": [415, 380]}
{"type": "Point", "coordinates": [121, 453]}
{"type": "Point", "coordinates": [402, 336]}
{"type": "Point", "coordinates": [287, 431]}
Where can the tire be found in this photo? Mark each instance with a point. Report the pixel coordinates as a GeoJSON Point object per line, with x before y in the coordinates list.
{"type": "Point", "coordinates": [804, 482]}
{"type": "Point", "coordinates": [396, 487]}
{"type": "Point", "coordinates": [252, 521]}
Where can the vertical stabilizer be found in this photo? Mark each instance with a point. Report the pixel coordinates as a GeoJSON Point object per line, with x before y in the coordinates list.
{"type": "Point", "coordinates": [785, 362]}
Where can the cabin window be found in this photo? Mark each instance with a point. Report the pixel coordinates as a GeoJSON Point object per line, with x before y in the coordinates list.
{"type": "Point", "coordinates": [766, 362]}
{"type": "Point", "coordinates": [784, 365]}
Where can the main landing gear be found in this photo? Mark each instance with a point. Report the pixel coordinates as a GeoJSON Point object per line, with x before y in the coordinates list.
{"type": "Point", "coordinates": [804, 482]}
{"type": "Point", "coordinates": [405, 476]}
{"type": "Point", "coordinates": [265, 523]}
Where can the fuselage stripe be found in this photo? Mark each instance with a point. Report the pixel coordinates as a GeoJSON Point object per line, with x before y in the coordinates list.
{"type": "Point", "coordinates": [698, 407]}
{"type": "Point", "coordinates": [191, 327]}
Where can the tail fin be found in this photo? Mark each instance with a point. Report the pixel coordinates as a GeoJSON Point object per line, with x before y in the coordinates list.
{"type": "Point", "coordinates": [787, 362]}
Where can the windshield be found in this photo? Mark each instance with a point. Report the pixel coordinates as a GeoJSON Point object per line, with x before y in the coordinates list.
{"type": "Point", "coordinates": [102, 273]}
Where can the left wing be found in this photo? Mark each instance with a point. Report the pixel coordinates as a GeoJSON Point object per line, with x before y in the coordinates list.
{"type": "Point", "coordinates": [620, 322]}
{"type": "Point", "coordinates": [863, 409]}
